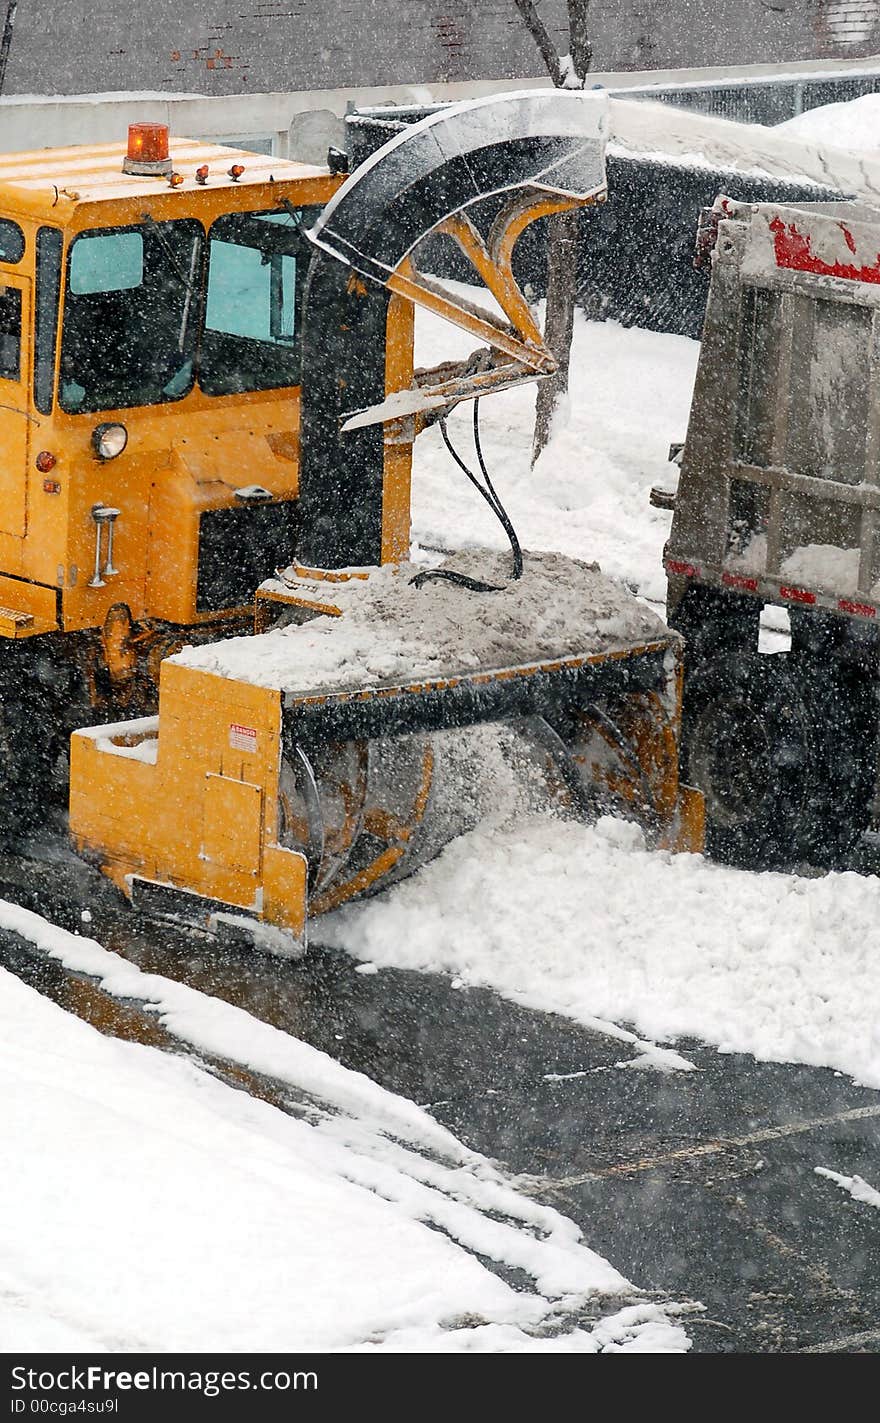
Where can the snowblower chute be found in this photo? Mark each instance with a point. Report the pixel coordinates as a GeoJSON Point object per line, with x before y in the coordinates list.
{"type": "Point", "coordinates": [381, 705]}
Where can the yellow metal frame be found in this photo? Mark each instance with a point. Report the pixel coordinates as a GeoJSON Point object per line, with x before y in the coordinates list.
{"type": "Point", "coordinates": [182, 458]}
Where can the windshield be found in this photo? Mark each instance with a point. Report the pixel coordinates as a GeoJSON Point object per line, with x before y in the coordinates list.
{"type": "Point", "coordinates": [129, 331]}
{"type": "Point", "coordinates": [149, 312]}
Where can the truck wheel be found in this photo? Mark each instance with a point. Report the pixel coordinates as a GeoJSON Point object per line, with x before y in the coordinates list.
{"type": "Point", "coordinates": [749, 746]}
{"type": "Point", "coordinates": [715, 624]}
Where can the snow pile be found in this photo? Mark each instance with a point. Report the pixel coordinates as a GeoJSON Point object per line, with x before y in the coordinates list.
{"type": "Point", "coordinates": [587, 922]}
{"type": "Point", "coordinates": [685, 138]}
{"type": "Point", "coordinates": [145, 1205]}
{"type": "Point", "coordinates": [395, 628]}
{"type": "Point", "coordinates": [824, 566]}
{"type": "Point", "coordinates": [854, 124]}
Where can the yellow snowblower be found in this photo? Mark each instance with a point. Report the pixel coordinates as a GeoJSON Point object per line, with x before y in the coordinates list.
{"type": "Point", "coordinates": [365, 719]}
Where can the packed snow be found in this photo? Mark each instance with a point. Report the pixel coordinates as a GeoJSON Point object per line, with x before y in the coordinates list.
{"type": "Point", "coordinates": [146, 1205]}
{"type": "Point", "coordinates": [394, 627]}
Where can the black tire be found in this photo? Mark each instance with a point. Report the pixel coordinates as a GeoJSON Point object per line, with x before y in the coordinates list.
{"type": "Point", "coordinates": [29, 745]}
{"type": "Point", "coordinates": [782, 750]}
{"type": "Point", "coordinates": [715, 624]}
{"type": "Point", "coordinates": [749, 747]}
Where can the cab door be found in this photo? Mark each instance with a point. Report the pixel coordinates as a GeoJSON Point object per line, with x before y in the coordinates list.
{"type": "Point", "coordinates": [15, 412]}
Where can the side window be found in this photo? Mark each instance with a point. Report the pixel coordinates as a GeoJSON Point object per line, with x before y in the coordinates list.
{"type": "Point", "coordinates": [106, 262]}
{"type": "Point", "coordinates": [11, 241]}
{"type": "Point", "coordinates": [10, 333]}
{"type": "Point", "coordinates": [46, 316]}
{"type": "Point", "coordinates": [251, 293]}
{"type": "Point", "coordinates": [258, 264]}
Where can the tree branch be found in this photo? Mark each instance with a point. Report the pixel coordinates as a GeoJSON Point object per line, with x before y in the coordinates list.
{"type": "Point", "coordinates": [538, 30]}
{"type": "Point", "coordinates": [579, 37]}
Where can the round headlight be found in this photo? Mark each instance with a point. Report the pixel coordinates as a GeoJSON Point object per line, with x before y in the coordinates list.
{"type": "Point", "coordinates": [109, 440]}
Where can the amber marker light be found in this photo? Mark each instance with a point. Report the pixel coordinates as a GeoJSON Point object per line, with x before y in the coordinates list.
{"type": "Point", "coordinates": [45, 461]}
{"type": "Point", "coordinates": [147, 153]}
{"type": "Point", "coordinates": [202, 174]}
{"type": "Point", "coordinates": [175, 180]}
{"type": "Point", "coordinates": [236, 171]}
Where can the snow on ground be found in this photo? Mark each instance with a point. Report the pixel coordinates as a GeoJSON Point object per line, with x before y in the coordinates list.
{"type": "Point", "coordinates": [585, 921]}
{"type": "Point", "coordinates": [146, 1205]}
{"type": "Point", "coordinates": [857, 1187]}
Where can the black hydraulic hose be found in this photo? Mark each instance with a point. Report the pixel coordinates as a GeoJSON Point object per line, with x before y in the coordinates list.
{"type": "Point", "coordinates": [490, 495]}
{"type": "Point", "coordinates": [449, 575]}
{"type": "Point", "coordinates": [503, 517]}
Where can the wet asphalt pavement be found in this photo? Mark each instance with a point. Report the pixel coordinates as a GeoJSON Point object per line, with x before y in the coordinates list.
{"type": "Point", "coordinates": [699, 1186]}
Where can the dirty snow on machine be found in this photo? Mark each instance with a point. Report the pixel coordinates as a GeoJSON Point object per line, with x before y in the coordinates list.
{"type": "Point", "coordinates": [778, 503]}
{"type": "Point", "coordinates": [380, 705]}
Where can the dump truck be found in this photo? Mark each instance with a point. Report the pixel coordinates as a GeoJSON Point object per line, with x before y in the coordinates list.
{"type": "Point", "coordinates": [777, 507]}
{"type": "Point", "coordinates": [213, 404]}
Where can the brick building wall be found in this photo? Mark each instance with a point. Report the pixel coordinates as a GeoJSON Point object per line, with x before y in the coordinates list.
{"type": "Point", "coordinates": [218, 47]}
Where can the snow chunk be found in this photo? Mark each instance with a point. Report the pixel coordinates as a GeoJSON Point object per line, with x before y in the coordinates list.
{"type": "Point", "coordinates": [857, 1187]}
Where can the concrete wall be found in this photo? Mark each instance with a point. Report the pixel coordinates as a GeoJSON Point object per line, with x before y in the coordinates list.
{"type": "Point", "coordinates": [226, 47]}
{"type": "Point", "coordinates": [302, 124]}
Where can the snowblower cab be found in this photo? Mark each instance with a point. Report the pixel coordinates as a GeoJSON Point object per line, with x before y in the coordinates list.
{"type": "Point", "coordinates": [367, 719]}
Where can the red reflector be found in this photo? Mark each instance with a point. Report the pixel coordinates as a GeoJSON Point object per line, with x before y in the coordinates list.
{"type": "Point", "coordinates": [861, 610]}
{"type": "Point", "coordinates": [51, 486]}
{"type": "Point", "coordinates": [148, 143]}
{"type": "Point", "coordinates": [686, 569]}
{"type": "Point", "coordinates": [738, 580]}
{"type": "Point", "coordinates": [796, 595]}
{"type": "Point", "coordinates": [236, 171]}
{"type": "Point", "coordinates": [45, 461]}
{"type": "Point", "coordinates": [202, 173]}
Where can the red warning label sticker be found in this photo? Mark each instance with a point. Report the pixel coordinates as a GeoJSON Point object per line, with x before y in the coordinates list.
{"type": "Point", "coordinates": [242, 738]}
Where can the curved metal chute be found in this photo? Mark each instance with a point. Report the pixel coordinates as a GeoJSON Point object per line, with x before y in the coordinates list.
{"type": "Point", "coordinates": [551, 140]}
{"type": "Point", "coordinates": [544, 149]}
